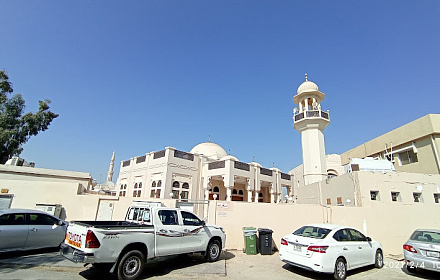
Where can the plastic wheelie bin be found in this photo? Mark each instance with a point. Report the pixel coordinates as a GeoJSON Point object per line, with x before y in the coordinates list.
{"type": "Point", "coordinates": [265, 241]}
{"type": "Point", "coordinates": [250, 240]}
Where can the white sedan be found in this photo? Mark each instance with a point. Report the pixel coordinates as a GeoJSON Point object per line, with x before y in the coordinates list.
{"type": "Point", "coordinates": [330, 248]}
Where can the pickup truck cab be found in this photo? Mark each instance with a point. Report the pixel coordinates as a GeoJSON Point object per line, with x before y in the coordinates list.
{"type": "Point", "coordinates": [146, 233]}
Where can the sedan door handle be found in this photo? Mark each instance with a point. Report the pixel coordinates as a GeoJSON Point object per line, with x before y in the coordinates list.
{"type": "Point", "coordinates": [34, 229]}
{"type": "Point", "coordinates": [186, 230]}
{"type": "Point", "coordinates": [360, 247]}
{"type": "Point", "coordinates": [345, 248]}
{"type": "Point", "coordinates": [163, 231]}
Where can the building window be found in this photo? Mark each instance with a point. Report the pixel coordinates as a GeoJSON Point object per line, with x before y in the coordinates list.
{"type": "Point", "coordinates": [180, 191]}
{"type": "Point", "coordinates": [137, 190]}
{"type": "Point", "coordinates": [417, 197]}
{"type": "Point", "coordinates": [329, 201]}
{"type": "Point", "coordinates": [407, 157]}
{"type": "Point", "coordinates": [437, 197]}
{"type": "Point", "coordinates": [123, 190]}
{"type": "Point", "coordinates": [374, 195]}
{"type": "Point", "coordinates": [395, 196]}
{"type": "Point", "coordinates": [155, 189]}
{"type": "Point", "coordinates": [339, 200]}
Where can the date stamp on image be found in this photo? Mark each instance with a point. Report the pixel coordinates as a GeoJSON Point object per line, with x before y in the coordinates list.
{"type": "Point", "coordinates": [411, 265]}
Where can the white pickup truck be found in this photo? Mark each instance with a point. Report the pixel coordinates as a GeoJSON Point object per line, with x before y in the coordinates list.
{"type": "Point", "coordinates": [147, 232]}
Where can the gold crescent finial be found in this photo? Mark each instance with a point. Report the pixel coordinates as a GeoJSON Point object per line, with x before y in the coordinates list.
{"type": "Point", "coordinates": [306, 78]}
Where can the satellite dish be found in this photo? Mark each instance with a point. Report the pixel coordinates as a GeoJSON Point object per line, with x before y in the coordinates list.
{"type": "Point", "coordinates": [419, 188]}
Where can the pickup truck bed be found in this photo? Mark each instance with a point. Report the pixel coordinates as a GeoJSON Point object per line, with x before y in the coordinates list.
{"type": "Point", "coordinates": [111, 224]}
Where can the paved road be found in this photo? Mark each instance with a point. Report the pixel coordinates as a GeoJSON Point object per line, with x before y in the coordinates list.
{"type": "Point", "coordinates": [233, 265]}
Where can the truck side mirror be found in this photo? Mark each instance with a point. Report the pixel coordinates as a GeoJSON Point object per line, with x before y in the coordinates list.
{"type": "Point", "coordinates": [202, 223]}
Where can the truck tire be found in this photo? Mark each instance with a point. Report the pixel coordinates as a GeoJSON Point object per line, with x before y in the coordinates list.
{"type": "Point", "coordinates": [131, 265]}
{"type": "Point", "coordinates": [213, 251]}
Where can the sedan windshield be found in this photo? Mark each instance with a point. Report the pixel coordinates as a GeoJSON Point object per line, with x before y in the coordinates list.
{"type": "Point", "coordinates": [426, 236]}
{"type": "Point", "coordinates": [313, 232]}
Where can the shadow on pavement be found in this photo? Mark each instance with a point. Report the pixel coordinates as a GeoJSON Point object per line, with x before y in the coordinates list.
{"type": "Point", "coordinates": [422, 274]}
{"type": "Point", "coordinates": [317, 275]}
{"type": "Point", "coordinates": [166, 265]}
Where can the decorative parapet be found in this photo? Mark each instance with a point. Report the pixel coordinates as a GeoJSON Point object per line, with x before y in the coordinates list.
{"type": "Point", "coordinates": [141, 159]}
{"type": "Point", "coordinates": [159, 154]}
{"type": "Point", "coordinates": [285, 176]}
{"type": "Point", "coordinates": [311, 114]}
{"type": "Point", "coordinates": [183, 155]}
{"type": "Point", "coordinates": [126, 163]}
{"type": "Point", "coordinates": [216, 165]}
{"type": "Point", "coordinates": [242, 166]}
{"type": "Point", "coordinates": [265, 171]}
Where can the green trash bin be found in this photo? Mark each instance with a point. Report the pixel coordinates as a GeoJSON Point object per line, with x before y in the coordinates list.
{"type": "Point", "coordinates": [250, 240]}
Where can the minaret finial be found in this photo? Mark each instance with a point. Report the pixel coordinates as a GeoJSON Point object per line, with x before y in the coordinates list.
{"type": "Point", "coordinates": [306, 78]}
{"type": "Point", "coordinates": [209, 138]}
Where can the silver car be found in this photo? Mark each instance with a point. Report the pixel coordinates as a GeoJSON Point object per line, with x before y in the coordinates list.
{"type": "Point", "coordinates": [422, 250]}
{"type": "Point", "coordinates": [25, 229]}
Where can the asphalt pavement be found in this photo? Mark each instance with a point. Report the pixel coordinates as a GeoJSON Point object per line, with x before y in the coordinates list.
{"type": "Point", "coordinates": [50, 265]}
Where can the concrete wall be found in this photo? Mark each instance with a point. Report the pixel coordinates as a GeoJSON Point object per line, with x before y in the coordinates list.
{"type": "Point", "coordinates": [390, 226]}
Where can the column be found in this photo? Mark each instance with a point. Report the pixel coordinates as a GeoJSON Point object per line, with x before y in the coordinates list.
{"type": "Point", "coordinates": [228, 193]}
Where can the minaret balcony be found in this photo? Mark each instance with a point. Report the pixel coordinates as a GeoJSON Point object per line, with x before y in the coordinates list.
{"type": "Point", "coordinates": [311, 114]}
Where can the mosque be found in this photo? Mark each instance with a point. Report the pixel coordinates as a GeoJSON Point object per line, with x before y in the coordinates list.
{"type": "Point", "coordinates": [207, 172]}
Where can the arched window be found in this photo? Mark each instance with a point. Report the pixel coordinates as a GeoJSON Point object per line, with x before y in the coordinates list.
{"type": "Point", "coordinates": [216, 189]}
{"type": "Point", "coordinates": [240, 192]}
{"type": "Point", "coordinates": [260, 194]}
{"type": "Point", "coordinates": [176, 185]}
{"type": "Point", "coordinates": [234, 191]}
{"type": "Point", "coordinates": [185, 186]}
{"type": "Point", "coordinates": [123, 190]}
{"type": "Point", "coordinates": [137, 189]}
{"type": "Point", "coordinates": [155, 189]}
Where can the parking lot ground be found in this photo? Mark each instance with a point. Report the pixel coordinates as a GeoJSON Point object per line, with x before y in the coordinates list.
{"type": "Point", "coordinates": [232, 265]}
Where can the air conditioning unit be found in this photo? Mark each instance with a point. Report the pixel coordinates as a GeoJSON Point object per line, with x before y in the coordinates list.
{"type": "Point", "coordinates": [53, 209]}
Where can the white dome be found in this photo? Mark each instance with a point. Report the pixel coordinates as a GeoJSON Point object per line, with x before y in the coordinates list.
{"type": "Point", "coordinates": [307, 86]}
{"type": "Point", "coordinates": [209, 149]}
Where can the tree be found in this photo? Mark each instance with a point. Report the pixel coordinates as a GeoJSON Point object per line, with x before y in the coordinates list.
{"type": "Point", "coordinates": [16, 128]}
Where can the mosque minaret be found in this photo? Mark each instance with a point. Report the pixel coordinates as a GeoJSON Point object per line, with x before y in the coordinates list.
{"type": "Point", "coordinates": [311, 121]}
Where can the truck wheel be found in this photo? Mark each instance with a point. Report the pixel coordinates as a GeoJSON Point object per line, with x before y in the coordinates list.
{"type": "Point", "coordinates": [213, 251]}
{"type": "Point", "coordinates": [131, 265]}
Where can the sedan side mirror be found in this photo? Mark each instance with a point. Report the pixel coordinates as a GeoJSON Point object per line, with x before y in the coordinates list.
{"type": "Point", "coordinates": [369, 239]}
{"type": "Point", "coordinates": [202, 223]}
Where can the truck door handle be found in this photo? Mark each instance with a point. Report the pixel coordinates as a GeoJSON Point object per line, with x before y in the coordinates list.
{"type": "Point", "coordinates": [34, 229]}
{"type": "Point", "coordinates": [186, 230]}
{"type": "Point", "coordinates": [163, 231]}
{"type": "Point", "coordinates": [360, 247]}
{"type": "Point", "coordinates": [345, 248]}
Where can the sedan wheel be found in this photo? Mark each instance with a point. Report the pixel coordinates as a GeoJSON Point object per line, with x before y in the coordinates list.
{"type": "Point", "coordinates": [340, 269]}
{"type": "Point", "coordinates": [379, 259]}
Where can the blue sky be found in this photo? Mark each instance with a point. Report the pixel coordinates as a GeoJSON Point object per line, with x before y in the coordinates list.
{"type": "Point", "coordinates": [137, 76]}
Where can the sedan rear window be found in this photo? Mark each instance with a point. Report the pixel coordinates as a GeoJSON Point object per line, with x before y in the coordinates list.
{"type": "Point", "coordinates": [313, 232]}
{"type": "Point", "coordinates": [426, 236]}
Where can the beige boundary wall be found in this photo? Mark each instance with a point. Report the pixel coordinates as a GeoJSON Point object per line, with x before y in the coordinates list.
{"type": "Point", "coordinates": [391, 227]}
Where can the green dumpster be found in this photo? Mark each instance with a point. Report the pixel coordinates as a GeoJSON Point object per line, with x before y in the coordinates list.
{"type": "Point", "coordinates": [250, 240]}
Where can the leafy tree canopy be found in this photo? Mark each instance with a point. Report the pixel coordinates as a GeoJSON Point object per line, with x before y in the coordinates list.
{"type": "Point", "coordinates": [16, 128]}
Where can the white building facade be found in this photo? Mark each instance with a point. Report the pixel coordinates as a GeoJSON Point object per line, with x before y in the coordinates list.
{"type": "Point", "coordinates": [207, 172]}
